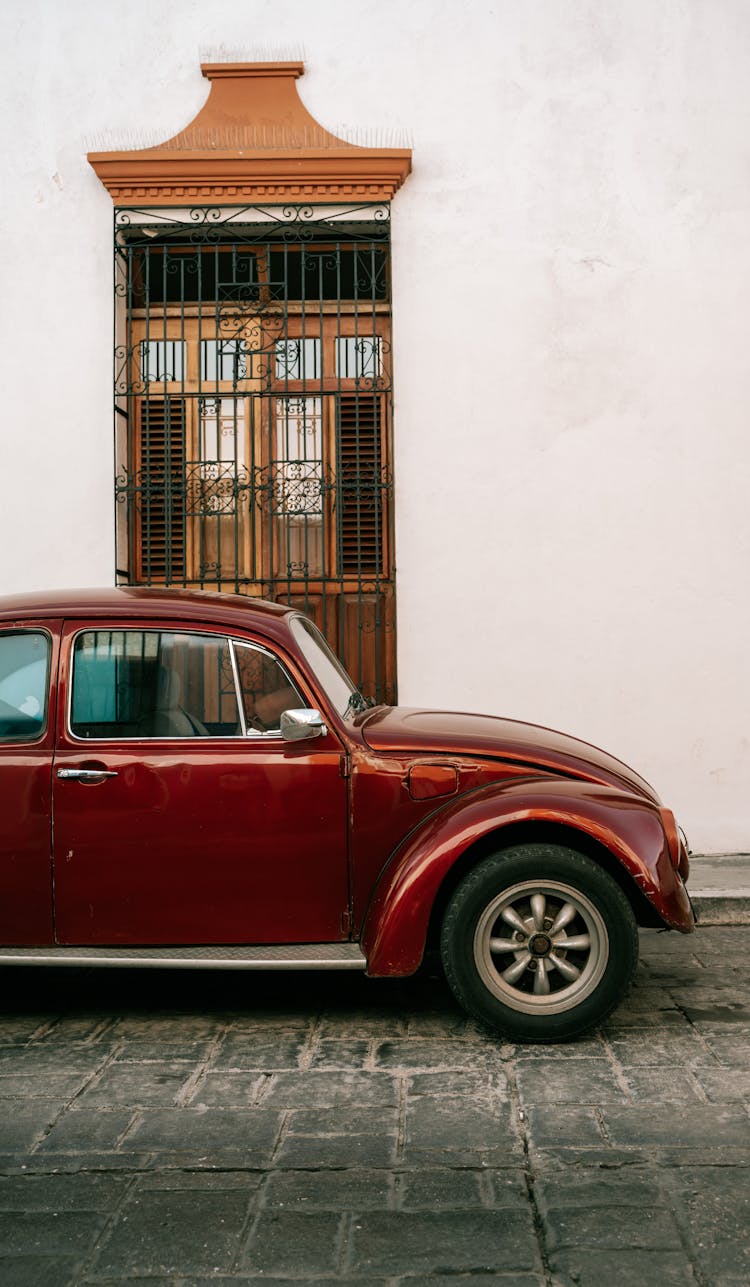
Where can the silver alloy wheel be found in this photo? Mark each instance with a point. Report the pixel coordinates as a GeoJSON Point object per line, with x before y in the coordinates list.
{"type": "Point", "coordinates": [541, 947]}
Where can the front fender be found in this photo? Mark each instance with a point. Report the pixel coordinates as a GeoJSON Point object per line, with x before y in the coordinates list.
{"type": "Point", "coordinates": [395, 928]}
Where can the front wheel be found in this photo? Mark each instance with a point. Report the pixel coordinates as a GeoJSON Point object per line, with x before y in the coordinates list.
{"type": "Point", "coordinates": [539, 942]}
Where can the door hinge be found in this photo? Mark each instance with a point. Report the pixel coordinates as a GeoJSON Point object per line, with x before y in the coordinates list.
{"type": "Point", "coordinates": [344, 766]}
{"type": "Point", "coordinates": [346, 922]}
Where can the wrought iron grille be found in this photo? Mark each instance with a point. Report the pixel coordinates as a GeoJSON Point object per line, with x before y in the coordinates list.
{"type": "Point", "coordinates": [253, 401]}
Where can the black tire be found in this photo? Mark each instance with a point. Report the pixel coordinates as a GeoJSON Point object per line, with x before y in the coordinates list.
{"type": "Point", "coordinates": [558, 924]}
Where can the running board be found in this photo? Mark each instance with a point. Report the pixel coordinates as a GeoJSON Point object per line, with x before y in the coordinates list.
{"type": "Point", "coordinates": [298, 956]}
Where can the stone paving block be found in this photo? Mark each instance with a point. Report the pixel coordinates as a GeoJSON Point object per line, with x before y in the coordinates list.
{"type": "Point", "coordinates": [613, 1227]}
{"type": "Point", "coordinates": [272, 1025]}
{"type": "Point", "coordinates": [135, 1084]}
{"type": "Point", "coordinates": [512, 1279]}
{"type": "Point", "coordinates": [18, 1029]}
{"type": "Point", "coordinates": [248, 1050]}
{"type": "Point", "coordinates": [449, 1122]}
{"type": "Point", "coordinates": [353, 1190]}
{"type": "Point", "coordinates": [294, 1243]}
{"type": "Point", "coordinates": [721, 1087]}
{"type": "Point", "coordinates": [61, 1193]}
{"type": "Point", "coordinates": [663, 1017]}
{"type": "Point", "coordinates": [584, 1081]}
{"type": "Point", "coordinates": [564, 1124]}
{"type": "Point", "coordinates": [326, 1151]}
{"type": "Point", "coordinates": [332, 1052]}
{"type": "Point", "coordinates": [365, 1022]}
{"type": "Point", "coordinates": [164, 1029]}
{"type": "Point", "coordinates": [485, 1086]}
{"type": "Point", "coordinates": [149, 1280]}
{"type": "Point", "coordinates": [598, 1187]}
{"type": "Point", "coordinates": [730, 1048]}
{"type": "Point", "coordinates": [508, 1187]}
{"type": "Point", "coordinates": [83, 1130]}
{"type": "Point", "coordinates": [228, 1090]}
{"type": "Point", "coordinates": [662, 1049]}
{"type": "Point", "coordinates": [78, 1027]}
{"type": "Point", "coordinates": [28, 1085]}
{"type": "Point", "coordinates": [663, 1158]}
{"type": "Point", "coordinates": [22, 1124]}
{"type": "Point", "coordinates": [136, 1051]}
{"type": "Point", "coordinates": [445, 1055]}
{"type": "Point", "coordinates": [444, 1189]}
{"type": "Point", "coordinates": [345, 1119]}
{"type": "Point", "coordinates": [705, 1124]}
{"type": "Point", "coordinates": [247, 1133]}
{"type": "Point", "coordinates": [248, 1277]}
{"type": "Point", "coordinates": [49, 1233]}
{"type": "Point", "coordinates": [632, 1268]}
{"type": "Point", "coordinates": [39, 1271]}
{"type": "Point", "coordinates": [717, 1209]}
{"type": "Point", "coordinates": [175, 1233]}
{"type": "Point", "coordinates": [39, 1060]}
{"type": "Point", "coordinates": [714, 1005]}
{"type": "Point", "coordinates": [320, 1089]}
{"type": "Point", "coordinates": [660, 1086]}
{"type": "Point", "coordinates": [582, 1048]}
{"type": "Point", "coordinates": [647, 1005]}
{"type": "Point", "coordinates": [405, 1242]}
{"type": "Point", "coordinates": [47, 1162]}
{"type": "Point", "coordinates": [247, 1182]}
{"type": "Point", "coordinates": [445, 1024]}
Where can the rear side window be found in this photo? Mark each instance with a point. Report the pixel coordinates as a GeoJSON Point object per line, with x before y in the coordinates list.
{"type": "Point", "coordinates": [24, 684]}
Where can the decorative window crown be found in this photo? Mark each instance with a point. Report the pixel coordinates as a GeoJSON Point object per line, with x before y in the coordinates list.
{"type": "Point", "coordinates": [253, 140]}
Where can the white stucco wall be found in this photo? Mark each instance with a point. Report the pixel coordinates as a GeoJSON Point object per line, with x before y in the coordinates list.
{"type": "Point", "coordinates": [571, 294]}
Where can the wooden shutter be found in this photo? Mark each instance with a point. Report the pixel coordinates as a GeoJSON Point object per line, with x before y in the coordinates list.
{"type": "Point", "coordinates": [360, 524]}
{"type": "Point", "coordinates": [162, 490]}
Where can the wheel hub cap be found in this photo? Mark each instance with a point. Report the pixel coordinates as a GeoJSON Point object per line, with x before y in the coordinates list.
{"type": "Point", "coordinates": [541, 946]}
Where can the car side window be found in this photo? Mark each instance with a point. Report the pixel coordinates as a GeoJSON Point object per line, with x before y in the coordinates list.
{"type": "Point", "coordinates": [24, 679]}
{"type": "Point", "coordinates": [266, 689]}
{"type": "Point", "coordinates": [153, 683]}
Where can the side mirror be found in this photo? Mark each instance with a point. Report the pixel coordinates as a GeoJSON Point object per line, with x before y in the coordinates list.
{"type": "Point", "coordinates": [296, 725]}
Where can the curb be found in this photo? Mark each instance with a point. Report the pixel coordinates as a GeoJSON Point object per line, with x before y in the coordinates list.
{"type": "Point", "coordinates": [717, 908]}
{"type": "Point", "coordinates": [719, 887]}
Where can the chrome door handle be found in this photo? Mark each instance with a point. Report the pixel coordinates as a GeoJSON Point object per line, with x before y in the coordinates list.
{"type": "Point", "coordinates": [87, 775]}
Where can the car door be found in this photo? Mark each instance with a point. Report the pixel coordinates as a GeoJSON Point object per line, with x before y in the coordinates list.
{"type": "Point", "coordinates": [181, 816]}
{"type": "Point", "coordinates": [28, 656]}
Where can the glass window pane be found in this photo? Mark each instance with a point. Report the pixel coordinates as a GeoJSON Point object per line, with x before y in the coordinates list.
{"type": "Point", "coordinates": [162, 361]}
{"type": "Point", "coordinates": [358, 357]}
{"type": "Point", "coordinates": [335, 273]}
{"type": "Point", "coordinates": [266, 689]}
{"type": "Point", "coordinates": [223, 430]}
{"type": "Point", "coordinates": [223, 360]}
{"type": "Point", "coordinates": [24, 670]}
{"type": "Point", "coordinates": [184, 274]}
{"type": "Point", "coordinates": [148, 683]}
{"type": "Point", "coordinates": [298, 359]}
{"type": "Point", "coordinates": [299, 435]}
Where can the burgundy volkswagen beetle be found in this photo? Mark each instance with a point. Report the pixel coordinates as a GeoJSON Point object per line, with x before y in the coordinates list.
{"type": "Point", "coordinates": [193, 780]}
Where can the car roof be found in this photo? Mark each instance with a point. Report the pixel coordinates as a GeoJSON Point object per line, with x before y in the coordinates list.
{"type": "Point", "coordinates": [137, 601]}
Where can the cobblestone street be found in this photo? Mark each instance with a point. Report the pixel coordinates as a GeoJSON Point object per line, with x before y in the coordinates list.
{"type": "Point", "coordinates": [184, 1128]}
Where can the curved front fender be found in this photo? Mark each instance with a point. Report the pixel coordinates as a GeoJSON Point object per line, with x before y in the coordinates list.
{"type": "Point", "coordinates": [395, 928]}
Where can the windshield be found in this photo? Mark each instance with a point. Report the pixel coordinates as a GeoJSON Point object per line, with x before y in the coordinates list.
{"type": "Point", "coordinates": [326, 667]}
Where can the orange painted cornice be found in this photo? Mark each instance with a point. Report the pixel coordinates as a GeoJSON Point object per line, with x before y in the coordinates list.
{"type": "Point", "coordinates": [253, 140]}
